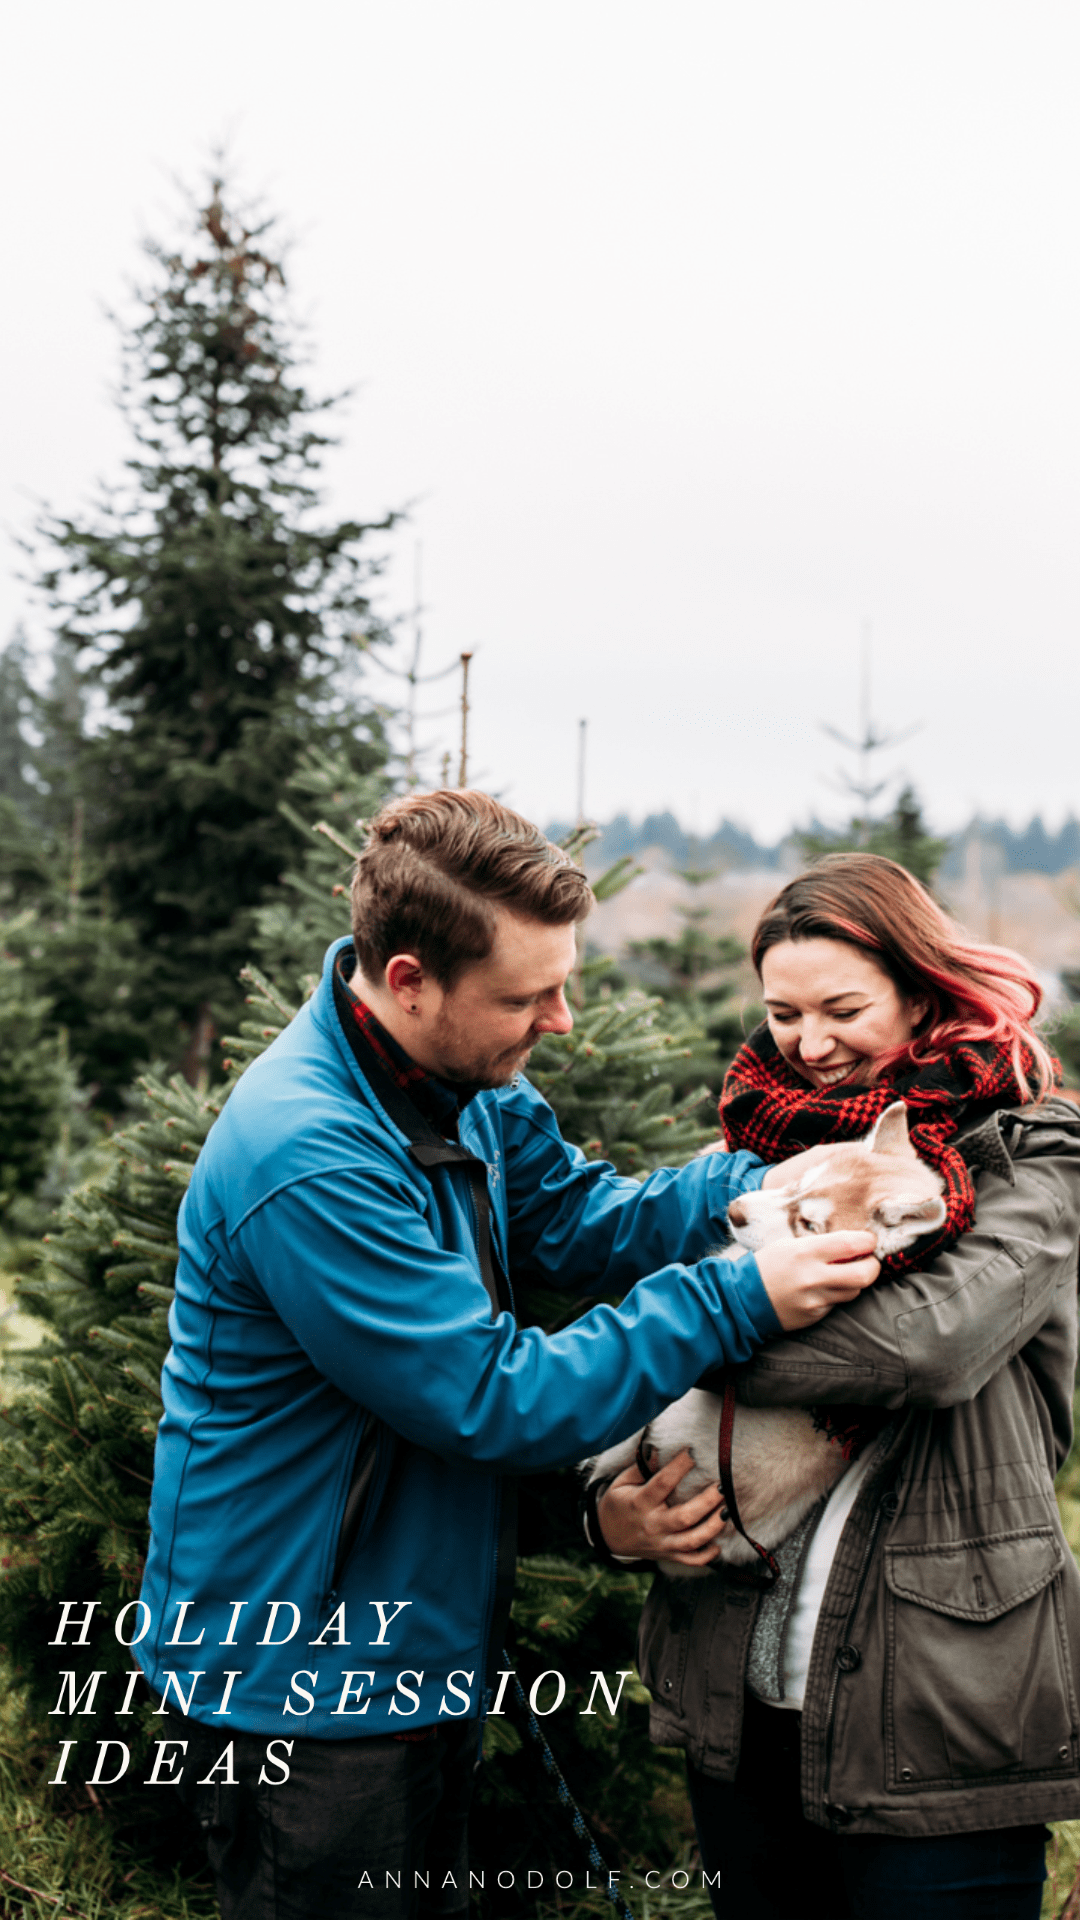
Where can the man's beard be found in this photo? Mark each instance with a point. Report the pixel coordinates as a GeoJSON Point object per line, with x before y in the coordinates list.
{"type": "Point", "coordinates": [462, 1066]}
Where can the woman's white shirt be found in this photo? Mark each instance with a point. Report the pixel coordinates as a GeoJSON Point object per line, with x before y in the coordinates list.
{"type": "Point", "coordinates": [803, 1619]}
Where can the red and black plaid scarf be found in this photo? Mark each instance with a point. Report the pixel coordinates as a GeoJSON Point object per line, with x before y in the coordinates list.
{"type": "Point", "coordinates": [769, 1109]}
{"type": "Point", "coordinates": [403, 1071]}
{"type": "Point", "coordinates": [438, 1102]}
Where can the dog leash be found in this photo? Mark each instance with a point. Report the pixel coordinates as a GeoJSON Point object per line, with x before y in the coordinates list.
{"type": "Point", "coordinates": [727, 1484]}
{"type": "Point", "coordinates": [566, 1800]}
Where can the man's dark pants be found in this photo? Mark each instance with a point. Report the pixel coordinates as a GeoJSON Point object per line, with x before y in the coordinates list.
{"type": "Point", "coordinates": [354, 1818]}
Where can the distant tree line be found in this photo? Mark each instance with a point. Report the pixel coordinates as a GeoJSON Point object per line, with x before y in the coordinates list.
{"type": "Point", "coordinates": [1030, 849]}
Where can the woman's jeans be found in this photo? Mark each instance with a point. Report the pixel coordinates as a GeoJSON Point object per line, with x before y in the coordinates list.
{"type": "Point", "coordinates": [773, 1862]}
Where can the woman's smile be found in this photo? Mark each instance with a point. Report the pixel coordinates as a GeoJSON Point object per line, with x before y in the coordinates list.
{"type": "Point", "coordinates": [833, 1011]}
{"type": "Point", "coordinates": [830, 1076]}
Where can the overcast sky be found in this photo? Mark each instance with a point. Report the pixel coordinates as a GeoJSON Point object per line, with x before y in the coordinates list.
{"type": "Point", "coordinates": [700, 332]}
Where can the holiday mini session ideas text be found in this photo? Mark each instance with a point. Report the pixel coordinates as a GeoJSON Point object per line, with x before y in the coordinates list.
{"type": "Point", "coordinates": [413, 1690]}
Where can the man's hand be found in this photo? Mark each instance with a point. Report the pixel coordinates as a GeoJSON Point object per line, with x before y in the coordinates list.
{"type": "Point", "coordinates": [807, 1277]}
{"type": "Point", "coordinates": [786, 1172]}
{"type": "Point", "coordinates": [638, 1524]}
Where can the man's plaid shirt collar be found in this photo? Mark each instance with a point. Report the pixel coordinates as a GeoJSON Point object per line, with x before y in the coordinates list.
{"type": "Point", "coordinates": [435, 1099]}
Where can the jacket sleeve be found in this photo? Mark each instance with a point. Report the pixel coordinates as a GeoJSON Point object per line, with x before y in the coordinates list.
{"type": "Point", "coordinates": [402, 1325]}
{"type": "Point", "coordinates": [934, 1338]}
{"type": "Point", "coordinates": [576, 1222]}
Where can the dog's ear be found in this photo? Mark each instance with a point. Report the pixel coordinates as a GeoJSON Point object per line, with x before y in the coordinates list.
{"type": "Point", "coordinates": [929, 1212]}
{"type": "Point", "coordinates": [891, 1133]}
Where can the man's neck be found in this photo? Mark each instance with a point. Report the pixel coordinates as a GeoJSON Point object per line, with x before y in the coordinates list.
{"type": "Point", "coordinates": [391, 1019]}
{"type": "Point", "coordinates": [440, 1103]}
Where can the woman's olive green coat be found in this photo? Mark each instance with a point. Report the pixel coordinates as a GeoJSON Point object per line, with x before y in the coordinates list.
{"type": "Point", "coordinates": [942, 1695]}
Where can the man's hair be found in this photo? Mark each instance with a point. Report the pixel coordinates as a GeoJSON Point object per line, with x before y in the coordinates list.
{"type": "Point", "coordinates": [434, 869]}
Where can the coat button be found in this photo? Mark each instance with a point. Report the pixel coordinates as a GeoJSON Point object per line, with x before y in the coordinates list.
{"type": "Point", "coordinates": [668, 1686]}
{"type": "Point", "coordinates": [906, 1773]}
{"type": "Point", "coordinates": [890, 1503]}
{"type": "Point", "coordinates": [848, 1659]}
{"type": "Point", "coordinates": [840, 1816]}
{"type": "Point", "coordinates": [1063, 1753]}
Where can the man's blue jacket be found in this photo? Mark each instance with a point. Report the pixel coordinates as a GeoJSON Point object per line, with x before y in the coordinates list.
{"type": "Point", "coordinates": [330, 1308]}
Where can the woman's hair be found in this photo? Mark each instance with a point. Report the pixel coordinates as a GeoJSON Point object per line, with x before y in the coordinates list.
{"type": "Point", "coordinates": [973, 992]}
{"type": "Point", "coordinates": [435, 867]}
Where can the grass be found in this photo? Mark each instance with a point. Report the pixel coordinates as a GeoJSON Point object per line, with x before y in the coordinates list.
{"type": "Point", "coordinates": [62, 1856]}
{"type": "Point", "coordinates": [670, 1900]}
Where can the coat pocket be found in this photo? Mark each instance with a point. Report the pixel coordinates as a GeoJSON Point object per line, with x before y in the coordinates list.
{"type": "Point", "coordinates": [371, 1466]}
{"type": "Point", "coordinates": [978, 1679]}
{"type": "Point", "coordinates": [664, 1639]}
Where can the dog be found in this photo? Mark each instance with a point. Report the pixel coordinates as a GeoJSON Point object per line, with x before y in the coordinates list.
{"type": "Point", "coordinates": [781, 1464]}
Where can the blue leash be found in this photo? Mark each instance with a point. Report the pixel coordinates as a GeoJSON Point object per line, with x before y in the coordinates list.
{"type": "Point", "coordinates": [566, 1799]}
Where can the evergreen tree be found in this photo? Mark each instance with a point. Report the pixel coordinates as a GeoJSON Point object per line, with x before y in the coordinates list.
{"type": "Point", "coordinates": [689, 964]}
{"type": "Point", "coordinates": [327, 803]}
{"type": "Point", "coordinates": [60, 719]}
{"type": "Point", "coordinates": [80, 961]}
{"type": "Point", "coordinates": [901, 836]}
{"type": "Point", "coordinates": [17, 708]}
{"type": "Point", "coordinates": [23, 861]}
{"type": "Point", "coordinates": [221, 621]}
{"type": "Point", "coordinates": [88, 970]}
{"type": "Point", "coordinates": [26, 865]}
{"type": "Point", "coordinates": [696, 975]}
{"type": "Point", "coordinates": [35, 1085]}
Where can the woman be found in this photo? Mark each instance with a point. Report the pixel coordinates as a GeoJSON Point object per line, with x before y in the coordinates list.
{"type": "Point", "coordinates": [884, 1731]}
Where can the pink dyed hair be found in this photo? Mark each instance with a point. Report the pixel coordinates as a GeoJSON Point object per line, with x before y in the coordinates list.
{"type": "Point", "coordinates": [974, 992]}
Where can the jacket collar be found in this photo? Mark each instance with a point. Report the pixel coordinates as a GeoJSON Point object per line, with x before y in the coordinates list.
{"type": "Point", "coordinates": [437, 1100]}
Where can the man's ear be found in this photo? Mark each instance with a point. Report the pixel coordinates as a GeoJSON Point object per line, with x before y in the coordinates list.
{"type": "Point", "coordinates": [405, 979]}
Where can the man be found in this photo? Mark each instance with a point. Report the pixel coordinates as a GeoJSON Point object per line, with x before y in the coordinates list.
{"type": "Point", "coordinates": [347, 1391]}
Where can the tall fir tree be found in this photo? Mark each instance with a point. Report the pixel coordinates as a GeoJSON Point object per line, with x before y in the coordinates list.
{"type": "Point", "coordinates": [902, 835]}
{"type": "Point", "coordinates": [222, 622]}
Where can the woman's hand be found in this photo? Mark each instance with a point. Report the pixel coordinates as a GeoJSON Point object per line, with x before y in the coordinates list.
{"type": "Point", "coordinates": [637, 1523]}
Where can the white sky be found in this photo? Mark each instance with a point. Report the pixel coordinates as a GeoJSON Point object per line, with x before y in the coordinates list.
{"type": "Point", "coordinates": [700, 331]}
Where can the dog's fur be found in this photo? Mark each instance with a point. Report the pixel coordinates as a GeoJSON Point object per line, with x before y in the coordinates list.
{"type": "Point", "coordinates": [780, 1464]}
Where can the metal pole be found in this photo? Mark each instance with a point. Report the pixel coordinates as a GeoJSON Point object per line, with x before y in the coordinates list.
{"type": "Point", "coordinates": [463, 763]}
